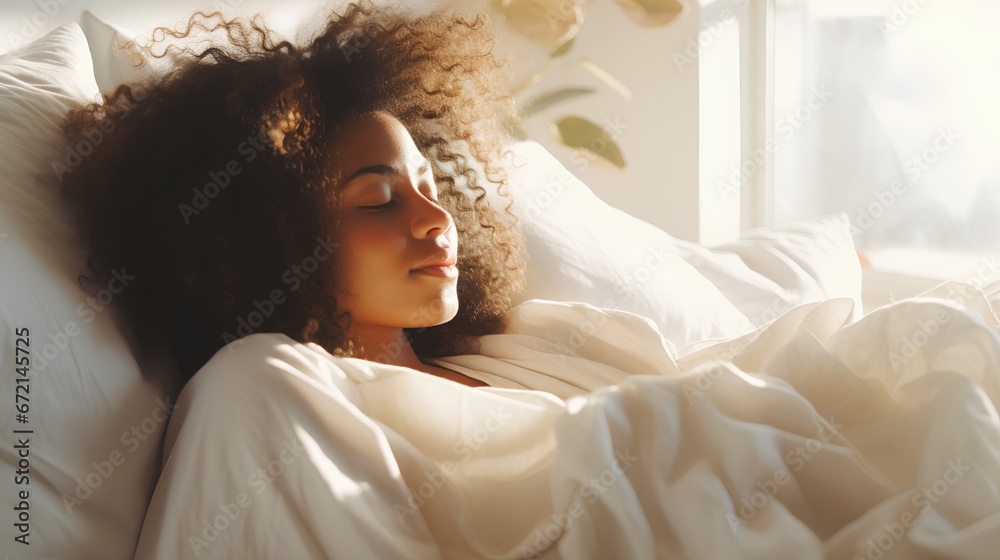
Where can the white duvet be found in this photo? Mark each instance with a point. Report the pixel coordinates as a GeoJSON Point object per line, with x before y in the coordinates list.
{"type": "Point", "coordinates": [807, 438]}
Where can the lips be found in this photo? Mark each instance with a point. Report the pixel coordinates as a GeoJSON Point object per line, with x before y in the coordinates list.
{"type": "Point", "coordinates": [440, 265]}
{"type": "Point", "coordinates": [438, 260]}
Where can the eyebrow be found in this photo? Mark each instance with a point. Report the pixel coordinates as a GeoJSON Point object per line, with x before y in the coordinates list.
{"type": "Point", "coordinates": [383, 169]}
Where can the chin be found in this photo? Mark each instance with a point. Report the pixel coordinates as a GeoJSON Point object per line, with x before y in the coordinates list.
{"type": "Point", "coordinates": [432, 314]}
{"type": "Point", "coordinates": [442, 320]}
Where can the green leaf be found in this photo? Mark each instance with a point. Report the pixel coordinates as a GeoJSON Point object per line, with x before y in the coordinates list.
{"type": "Point", "coordinates": [606, 77]}
{"type": "Point", "coordinates": [579, 133]}
{"type": "Point", "coordinates": [546, 100]}
{"type": "Point", "coordinates": [563, 48]}
{"type": "Point", "coordinates": [651, 13]}
{"type": "Point", "coordinates": [548, 23]}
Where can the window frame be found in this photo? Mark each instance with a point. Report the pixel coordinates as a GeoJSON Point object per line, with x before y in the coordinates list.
{"type": "Point", "coordinates": [886, 275]}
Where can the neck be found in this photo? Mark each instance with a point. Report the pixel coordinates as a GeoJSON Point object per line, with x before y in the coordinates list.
{"type": "Point", "coordinates": [390, 346]}
{"type": "Point", "coordinates": [387, 345]}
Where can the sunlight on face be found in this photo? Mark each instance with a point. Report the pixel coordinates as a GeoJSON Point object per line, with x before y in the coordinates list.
{"type": "Point", "coordinates": [390, 227]}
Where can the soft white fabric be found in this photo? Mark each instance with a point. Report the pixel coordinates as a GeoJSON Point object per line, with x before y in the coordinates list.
{"type": "Point", "coordinates": [582, 249]}
{"type": "Point", "coordinates": [90, 476]}
{"type": "Point", "coordinates": [770, 270]}
{"type": "Point", "coordinates": [808, 438]}
{"type": "Point", "coordinates": [116, 61]}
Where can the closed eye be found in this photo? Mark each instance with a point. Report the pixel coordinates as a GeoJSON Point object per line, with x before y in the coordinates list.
{"type": "Point", "coordinates": [379, 208]}
{"type": "Point", "coordinates": [387, 205]}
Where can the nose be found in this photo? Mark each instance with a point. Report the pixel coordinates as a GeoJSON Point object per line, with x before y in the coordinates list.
{"type": "Point", "coordinates": [430, 219]}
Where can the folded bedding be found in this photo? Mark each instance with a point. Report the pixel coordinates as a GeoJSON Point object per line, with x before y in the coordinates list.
{"type": "Point", "coordinates": [810, 437]}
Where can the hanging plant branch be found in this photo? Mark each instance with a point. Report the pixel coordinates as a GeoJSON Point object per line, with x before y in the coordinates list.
{"type": "Point", "coordinates": [554, 25]}
{"type": "Point", "coordinates": [606, 77]}
{"type": "Point", "coordinates": [546, 22]}
{"type": "Point", "coordinates": [536, 104]}
{"type": "Point", "coordinates": [651, 13]}
{"type": "Point", "coordinates": [562, 49]}
{"type": "Point", "coordinates": [579, 133]}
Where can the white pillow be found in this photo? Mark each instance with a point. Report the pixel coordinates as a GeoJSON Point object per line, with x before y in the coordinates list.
{"type": "Point", "coordinates": [771, 270]}
{"type": "Point", "coordinates": [89, 475]}
{"type": "Point", "coordinates": [582, 249]}
{"type": "Point", "coordinates": [114, 57]}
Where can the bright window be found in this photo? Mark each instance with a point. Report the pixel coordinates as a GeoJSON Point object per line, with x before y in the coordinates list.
{"type": "Point", "coordinates": [890, 111]}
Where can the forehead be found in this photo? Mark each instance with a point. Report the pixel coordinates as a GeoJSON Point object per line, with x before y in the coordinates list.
{"type": "Point", "coordinates": [373, 139]}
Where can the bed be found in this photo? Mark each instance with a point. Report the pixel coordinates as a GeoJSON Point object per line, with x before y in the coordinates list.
{"type": "Point", "coordinates": [652, 398]}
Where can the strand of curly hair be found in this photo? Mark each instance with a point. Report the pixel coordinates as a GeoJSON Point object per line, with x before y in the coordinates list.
{"type": "Point", "coordinates": [211, 183]}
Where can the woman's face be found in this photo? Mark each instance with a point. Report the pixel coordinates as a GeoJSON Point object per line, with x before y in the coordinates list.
{"type": "Point", "coordinates": [391, 229]}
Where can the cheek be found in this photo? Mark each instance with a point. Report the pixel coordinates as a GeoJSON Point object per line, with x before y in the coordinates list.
{"type": "Point", "coordinates": [372, 251]}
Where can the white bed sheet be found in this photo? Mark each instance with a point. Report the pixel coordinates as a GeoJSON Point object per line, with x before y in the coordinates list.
{"type": "Point", "coordinates": [811, 437]}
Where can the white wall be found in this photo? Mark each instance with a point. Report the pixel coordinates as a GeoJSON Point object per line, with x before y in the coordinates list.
{"type": "Point", "coordinates": [670, 178]}
{"type": "Point", "coordinates": [657, 129]}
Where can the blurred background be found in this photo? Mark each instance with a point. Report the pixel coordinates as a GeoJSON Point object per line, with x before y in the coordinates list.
{"type": "Point", "coordinates": [710, 117]}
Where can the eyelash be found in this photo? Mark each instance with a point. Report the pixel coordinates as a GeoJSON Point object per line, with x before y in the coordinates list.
{"type": "Point", "coordinates": [383, 207]}
{"type": "Point", "coordinates": [379, 208]}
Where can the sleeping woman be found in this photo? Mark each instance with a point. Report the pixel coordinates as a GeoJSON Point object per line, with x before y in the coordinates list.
{"type": "Point", "coordinates": [316, 230]}
{"type": "Point", "coordinates": [335, 192]}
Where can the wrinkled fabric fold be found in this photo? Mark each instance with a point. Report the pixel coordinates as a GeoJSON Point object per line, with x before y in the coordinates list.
{"type": "Point", "coordinates": [811, 437]}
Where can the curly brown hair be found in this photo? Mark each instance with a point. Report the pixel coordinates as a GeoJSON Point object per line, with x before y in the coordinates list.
{"type": "Point", "coordinates": [212, 182]}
